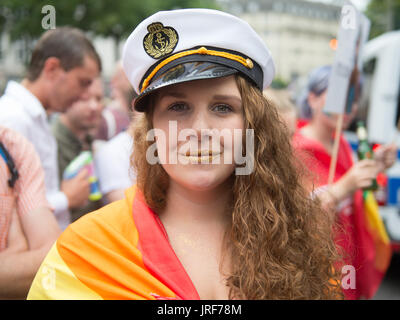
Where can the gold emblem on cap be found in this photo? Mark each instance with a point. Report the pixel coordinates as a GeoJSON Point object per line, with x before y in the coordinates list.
{"type": "Point", "coordinates": [160, 41]}
{"type": "Point", "coordinates": [249, 63]}
{"type": "Point", "coordinates": [203, 50]}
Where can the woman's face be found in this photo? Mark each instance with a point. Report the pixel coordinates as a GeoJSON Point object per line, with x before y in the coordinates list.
{"type": "Point", "coordinates": [317, 103]}
{"type": "Point", "coordinates": [198, 119]}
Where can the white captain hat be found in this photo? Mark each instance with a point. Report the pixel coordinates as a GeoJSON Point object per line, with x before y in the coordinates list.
{"type": "Point", "coordinates": [175, 46]}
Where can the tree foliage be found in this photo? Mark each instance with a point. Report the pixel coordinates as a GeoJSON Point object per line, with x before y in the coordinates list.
{"type": "Point", "coordinates": [384, 16]}
{"type": "Point", "coordinates": [109, 18]}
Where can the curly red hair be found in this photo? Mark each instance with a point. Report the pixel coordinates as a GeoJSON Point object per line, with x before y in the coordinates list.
{"type": "Point", "coordinates": [280, 241]}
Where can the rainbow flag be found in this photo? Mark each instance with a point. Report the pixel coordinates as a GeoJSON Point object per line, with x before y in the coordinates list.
{"type": "Point", "coordinates": [118, 252]}
{"type": "Point", "coordinates": [375, 226]}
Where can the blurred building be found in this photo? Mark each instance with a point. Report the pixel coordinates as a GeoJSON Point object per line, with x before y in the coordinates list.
{"type": "Point", "coordinates": [297, 32]}
{"type": "Point", "coordinates": [12, 57]}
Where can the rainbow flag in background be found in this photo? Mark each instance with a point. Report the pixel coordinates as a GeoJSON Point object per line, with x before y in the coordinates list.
{"type": "Point", "coordinates": [375, 226]}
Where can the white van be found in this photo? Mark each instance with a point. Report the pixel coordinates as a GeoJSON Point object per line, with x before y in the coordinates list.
{"type": "Point", "coordinates": [379, 107]}
{"type": "Point", "coordinates": [380, 101]}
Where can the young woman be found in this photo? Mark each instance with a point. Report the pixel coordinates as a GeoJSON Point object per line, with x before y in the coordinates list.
{"type": "Point", "coordinates": [344, 195]}
{"type": "Point", "coordinates": [201, 223]}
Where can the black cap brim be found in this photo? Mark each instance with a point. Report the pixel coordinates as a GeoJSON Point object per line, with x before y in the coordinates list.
{"type": "Point", "coordinates": [182, 72]}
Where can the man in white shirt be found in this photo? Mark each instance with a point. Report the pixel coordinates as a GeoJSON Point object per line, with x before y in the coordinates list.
{"type": "Point", "coordinates": [62, 67]}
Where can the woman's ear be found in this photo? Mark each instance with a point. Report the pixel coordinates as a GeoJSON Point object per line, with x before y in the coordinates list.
{"type": "Point", "coordinates": [311, 100]}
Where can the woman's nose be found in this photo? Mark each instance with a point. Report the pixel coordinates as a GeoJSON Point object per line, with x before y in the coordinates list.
{"type": "Point", "coordinates": [203, 127]}
{"type": "Point", "coordinates": [200, 121]}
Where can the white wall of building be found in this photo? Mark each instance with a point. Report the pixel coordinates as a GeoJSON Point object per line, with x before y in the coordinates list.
{"type": "Point", "coordinates": [297, 32]}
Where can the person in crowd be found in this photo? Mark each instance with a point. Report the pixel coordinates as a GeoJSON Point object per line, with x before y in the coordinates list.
{"type": "Point", "coordinates": [314, 142]}
{"type": "Point", "coordinates": [112, 159]}
{"type": "Point", "coordinates": [116, 116]}
{"type": "Point", "coordinates": [74, 131]}
{"type": "Point", "coordinates": [112, 163]}
{"type": "Point", "coordinates": [210, 225]}
{"type": "Point", "coordinates": [28, 227]}
{"type": "Point", "coordinates": [62, 67]}
{"type": "Point", "coordinates": [287, 110]}
{"type": "Point", "coordinates": [122, 93]}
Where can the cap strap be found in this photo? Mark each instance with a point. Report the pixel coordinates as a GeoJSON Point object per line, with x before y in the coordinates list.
{"type": "Point", "coordinates": [246, 62]}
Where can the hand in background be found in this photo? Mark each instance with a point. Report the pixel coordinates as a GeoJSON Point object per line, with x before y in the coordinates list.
{"type": "Point", "coordinates": [77, 189]}
{"type": "Point", "coordinates": [360, 175]}
{"type": "Point", "coordinates": [386, 156]}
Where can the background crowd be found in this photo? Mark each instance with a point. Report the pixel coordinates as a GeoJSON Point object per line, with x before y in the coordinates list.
{"type": "Point", "coordinates": [63, 108]}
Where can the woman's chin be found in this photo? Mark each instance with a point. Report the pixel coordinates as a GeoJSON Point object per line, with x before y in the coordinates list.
{"type": "Point", "coordinates": [203, 180]}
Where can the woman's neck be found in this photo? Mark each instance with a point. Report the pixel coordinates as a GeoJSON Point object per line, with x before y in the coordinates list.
{"type": "Point", "coordinates": [318, 131]}
{"type": "Point", "coordinates": [197, 208]}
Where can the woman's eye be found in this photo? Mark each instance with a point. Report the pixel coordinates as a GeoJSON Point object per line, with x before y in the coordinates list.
{"type": "Point", "coordinates": [178, 107]}
{"type": "Point", "coordinates": [222, 108]}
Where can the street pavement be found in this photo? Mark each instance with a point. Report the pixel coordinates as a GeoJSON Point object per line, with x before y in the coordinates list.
{"type": "Point", "coordinates": [390, 287]}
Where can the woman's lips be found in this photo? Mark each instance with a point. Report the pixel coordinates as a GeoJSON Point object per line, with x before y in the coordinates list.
{"type": "Point", "coordinates": [200, 153]}
{"type": "Point", "coordinates": [201, 156]}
